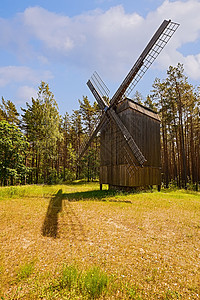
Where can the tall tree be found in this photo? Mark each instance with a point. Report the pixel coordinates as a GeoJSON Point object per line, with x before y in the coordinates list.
{"type": "Point", "coordinates": [70, 142]}
{"type": "Point", "coordinates": [41, 122]}
{"type": "Point", "coordinates": [9, 112]}
{"type": "Point", "coordinates": [13, 147]}
{"type": "Point", "coordinates": [178, 83]}
{"type": "Point", "coordinates": [160, 92]}
{"type": "Point", "coordinates": [90, 115]}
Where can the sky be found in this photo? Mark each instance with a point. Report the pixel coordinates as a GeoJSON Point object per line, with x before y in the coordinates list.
{"type": "Point", "coordinates": [63, 42]}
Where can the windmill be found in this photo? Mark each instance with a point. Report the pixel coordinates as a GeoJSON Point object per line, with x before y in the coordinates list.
{"type": "Point", "coordinates": [130, 133]}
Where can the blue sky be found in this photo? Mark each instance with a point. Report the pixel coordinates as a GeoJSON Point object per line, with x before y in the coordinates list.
{"type": "Point", "coordinates": [63, 42]}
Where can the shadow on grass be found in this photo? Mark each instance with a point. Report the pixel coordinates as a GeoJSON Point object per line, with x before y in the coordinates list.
{"type": "Point", "coordinates": [94, 195]}
{"type": "Point", "coordinates": [88, 195]}
{"type": "Point", "coordinates": [50, 225]}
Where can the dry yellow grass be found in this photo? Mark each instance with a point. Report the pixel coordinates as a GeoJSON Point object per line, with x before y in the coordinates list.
{"type": "Point", "coordinates": [148, 240]}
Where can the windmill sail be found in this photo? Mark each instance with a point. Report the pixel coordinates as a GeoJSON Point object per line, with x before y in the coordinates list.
{"type": "Point", "coordinates": [97, 96]}
{"type": "Point", "coordinates": [150, 53]}
{"type": "Point", "coordinates": [87, 143]}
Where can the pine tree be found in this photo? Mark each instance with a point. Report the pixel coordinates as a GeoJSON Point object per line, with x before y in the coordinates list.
{"type": "Point", "coordinates": [90, 116]}
{"type": "Point", "coordinates": [137, 97]}
{"type": "Point", "coordinates": [9, 112]}
{"type": "Point", "coordinates": [177, 104]}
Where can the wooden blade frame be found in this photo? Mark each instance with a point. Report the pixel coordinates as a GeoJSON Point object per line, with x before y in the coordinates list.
{"type": "Point", "coordinates": [150, 53]}
{"type": "Point", "coordinates": [92, 136]}
{"type": "Point", "coordinates": [110, 112]}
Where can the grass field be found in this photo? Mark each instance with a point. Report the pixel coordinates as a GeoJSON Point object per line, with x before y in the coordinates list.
{"type": "Point", "coordinates": [76, 242]}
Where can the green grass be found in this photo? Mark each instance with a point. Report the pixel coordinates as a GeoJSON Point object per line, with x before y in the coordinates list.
{"type": "Point", "coordinates": [89, 284]}
{"type": "Point", "coordinates": [95, 282]}
{"type": "Point", "coordinates": [25, 271]}
{"type": "Point", "coordinates": [77, 242]}
{"type": "Point", "coordinates": [46, 190]}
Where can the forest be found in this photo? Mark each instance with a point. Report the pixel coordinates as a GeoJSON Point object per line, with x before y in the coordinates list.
{"type": "Point", "coordinates": [39, 146]}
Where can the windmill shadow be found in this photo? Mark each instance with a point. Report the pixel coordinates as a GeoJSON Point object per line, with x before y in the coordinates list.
{"type": "Point", "coordinates": [50, 225]}
{"type": "Point", "coordinates": [94, 195]}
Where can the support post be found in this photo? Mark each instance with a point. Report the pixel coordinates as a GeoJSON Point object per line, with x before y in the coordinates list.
{"type": "Point", "coordinates": [100, 186]}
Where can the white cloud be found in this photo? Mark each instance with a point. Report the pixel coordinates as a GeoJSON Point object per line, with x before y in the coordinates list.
{"type": "Point", "coordinates": [50, 28]}
{"type": "Point", "coordinates": [102, 39]}
{"type": "Point", "coordinates": [26, 93]}
{"type": "Point", "coordinates": [18, 74]}
{"type": "Point", "coordinates": [107, 41]}
{"type": "Point", "coordinates": [192, 66]}
{"type": "Point", "coordinates": [187, 14]}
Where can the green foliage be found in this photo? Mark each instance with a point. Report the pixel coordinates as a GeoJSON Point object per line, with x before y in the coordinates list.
{"type": "Point", "coordinates": [150, 103]}
{"type": "Point", "coordinates": [89, 114]}
{"type": "Point", "coordinates": [8, 112]}
{"type": "Point", "coordinates": [13, 147]}
{"type": "Point", "coordinates": [90, 165]}
{"type": "Point", "coordinates": [41, 122]}
{"type": "Point", "coordinates": [138, 97]}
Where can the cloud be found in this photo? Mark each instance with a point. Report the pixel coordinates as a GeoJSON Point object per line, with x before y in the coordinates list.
{"type": "Point", "coordinates": [50, 28]}
{"type": "Point", "coordinates": [25, 93]}
{"type": "Point", "coordinates": [97, 38]}
{"type": "Point", "coordinates": [192, 66]}
{"type": "Point", "coordinates": [187, 14]}
{"type": "Point", "coordinates": [19, 74]}
{"type": "Point", "coordinates": [108, 41]}
{"type": "Point", "coordinates": [112, 40]}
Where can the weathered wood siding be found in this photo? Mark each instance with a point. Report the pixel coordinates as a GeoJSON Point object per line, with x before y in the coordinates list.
{"type": "Point", "coordinates": [116, 167]}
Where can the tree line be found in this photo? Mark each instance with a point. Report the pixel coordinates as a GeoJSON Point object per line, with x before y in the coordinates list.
{"type": "Point", "coordinates": [47, 143]}
{"type": "Point", "coordinates": [178, 104]}
{"type": "Point", "coordinates": [41, 146]}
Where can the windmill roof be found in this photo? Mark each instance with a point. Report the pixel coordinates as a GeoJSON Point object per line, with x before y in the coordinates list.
{"type": "Point", "coordinates": [130, 104]}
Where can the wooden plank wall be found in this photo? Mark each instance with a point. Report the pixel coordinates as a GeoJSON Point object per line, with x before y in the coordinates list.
{"type": "Point", "coordinates": [119, 176]}
{"type": "Point", "coordinates": [145, 130]}
{"type": "Point", "coordinates": [146, 133]}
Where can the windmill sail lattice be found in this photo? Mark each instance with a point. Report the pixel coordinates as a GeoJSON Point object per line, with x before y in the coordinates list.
{"type": "Point", "coordinates": [145, 60]}
{"type": "Point", "coordinates": [100, 85]}
{"type": "Point", "coordinates": [152, 55]}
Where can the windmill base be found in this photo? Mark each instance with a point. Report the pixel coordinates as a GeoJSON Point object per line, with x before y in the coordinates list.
{"type": "Point", "coordinates": [130, 189]}
{"type": "Point", "coordinates": [118, 177]}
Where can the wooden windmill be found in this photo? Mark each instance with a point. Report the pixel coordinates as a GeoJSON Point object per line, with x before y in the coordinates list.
{"type": "Point", "coordinates": [129, 132]}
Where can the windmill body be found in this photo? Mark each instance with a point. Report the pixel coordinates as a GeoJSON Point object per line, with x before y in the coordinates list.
{"type": "Point", "coordinates": [130, 133]}
{"type": "Point", "coordinates": [118, 167]}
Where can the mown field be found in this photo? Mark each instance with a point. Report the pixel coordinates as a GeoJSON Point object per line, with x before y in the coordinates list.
{"type": "Point", "coordinates": [76, 242]}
